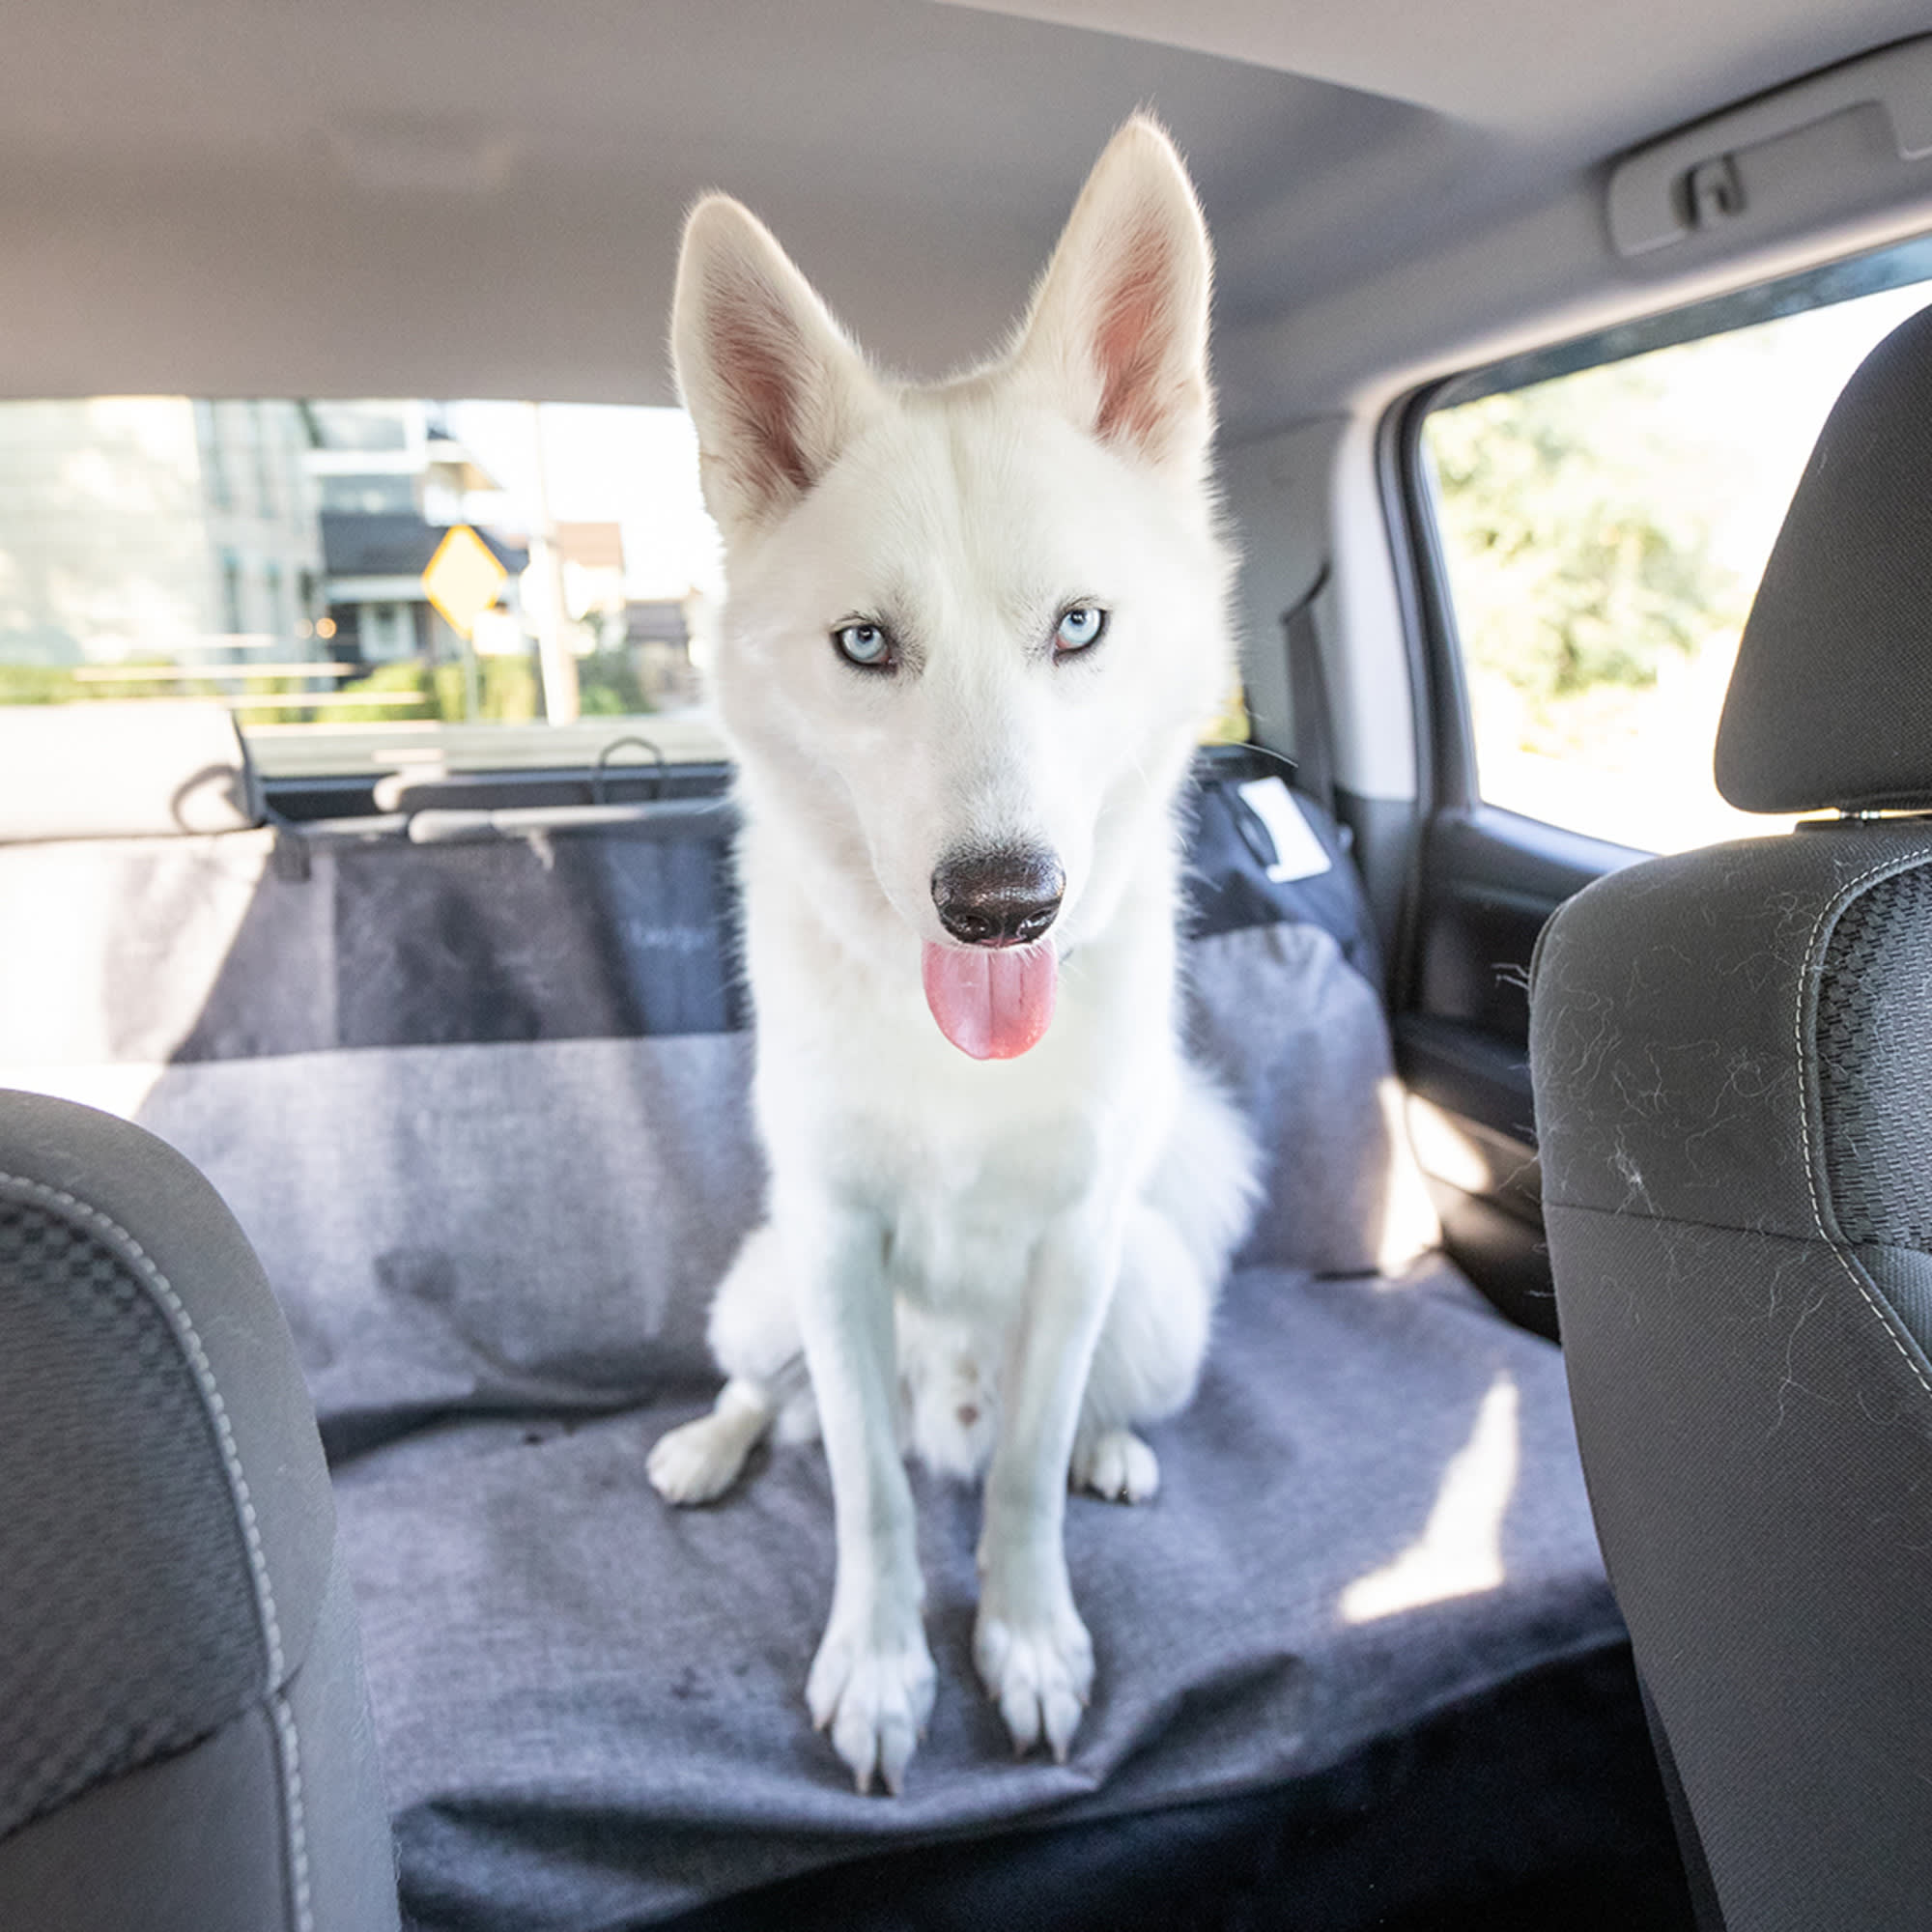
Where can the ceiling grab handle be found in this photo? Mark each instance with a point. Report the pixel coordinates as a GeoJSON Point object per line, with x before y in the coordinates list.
{"type": "Point", "coordinates": [1687, 183]}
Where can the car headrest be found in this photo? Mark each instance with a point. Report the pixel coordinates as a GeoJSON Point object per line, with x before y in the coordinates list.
{"type": "Point", "coordinates": [1831, 703]}
{"type": "Point", "coordinates": [108, 770]}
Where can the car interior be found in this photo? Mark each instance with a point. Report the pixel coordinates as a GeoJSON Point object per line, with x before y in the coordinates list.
{"type": "Point", "coordinates": [1544, 1542]}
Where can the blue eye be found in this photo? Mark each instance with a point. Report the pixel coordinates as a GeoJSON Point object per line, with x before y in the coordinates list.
{"type": "Point", "coordinates": [1080, 629]}
{"type": "Point", "coordinates": [867, 645]}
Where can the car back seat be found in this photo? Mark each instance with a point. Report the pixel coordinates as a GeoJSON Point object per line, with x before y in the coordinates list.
{"type": "Point", "coordinates": [480, 1105]}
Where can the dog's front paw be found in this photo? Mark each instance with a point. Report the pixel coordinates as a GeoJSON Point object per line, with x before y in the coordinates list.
{"type": "Point", "coordinates": [699, 1461]}
{"type": "Point", "coordinates": [1117, 1464]}
{"type": "Point", "coordinates": [1038, 1666]}
{"type": "Point", "coordinates": [695, 1463]}
{"type": "Point", "coordinates": [872, 1687]}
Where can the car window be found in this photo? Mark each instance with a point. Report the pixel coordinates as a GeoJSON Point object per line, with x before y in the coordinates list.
{"type": "Point", "coordinates": [362, 582]}
{"type": "Point", "coordinates": [1604, 531]}
{"type": "Point", "coordinates": [371, 585]}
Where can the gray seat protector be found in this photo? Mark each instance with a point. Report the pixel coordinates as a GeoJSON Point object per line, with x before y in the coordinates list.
{"type": "Point", "coordinates": [495, 1254]}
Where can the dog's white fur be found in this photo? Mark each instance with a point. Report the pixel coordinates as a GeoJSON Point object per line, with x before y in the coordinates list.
{"type": "Point", "coordinates": [1002, 1263]}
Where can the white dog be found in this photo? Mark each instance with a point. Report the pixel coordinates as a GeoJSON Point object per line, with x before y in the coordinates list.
{"type": "Point", "coordinates": [974, 632]}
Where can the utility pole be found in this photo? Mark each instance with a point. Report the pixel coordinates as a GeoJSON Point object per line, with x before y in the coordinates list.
{"type": "Point", "coordinates": [554, 657]}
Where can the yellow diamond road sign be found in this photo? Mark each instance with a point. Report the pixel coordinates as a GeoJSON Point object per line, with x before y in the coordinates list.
{"type": "Point", "coordinates": [463, 577]}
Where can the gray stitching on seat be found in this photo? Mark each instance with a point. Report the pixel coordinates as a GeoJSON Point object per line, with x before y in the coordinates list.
{"type": "Point", "coordinates": [183, 1324]}
{"type": "Point", "coordinates": [1834, 907]}
{"type": "Point", "coordinates": [290, 1754]}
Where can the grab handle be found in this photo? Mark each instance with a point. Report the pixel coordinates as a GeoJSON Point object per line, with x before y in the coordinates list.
{"type": "Point", "coordinates": [1688, 182]}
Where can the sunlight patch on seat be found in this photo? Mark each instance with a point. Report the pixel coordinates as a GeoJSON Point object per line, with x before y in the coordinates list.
{"type": "Point", "coordinates": [124, 942]}
{"type": "Point", "coordinates": [1460, 1551]}
{"type": "Point", "coordinates": [1444, 1148]}
{"type": "Point", "coordinates": [1410, 1227]}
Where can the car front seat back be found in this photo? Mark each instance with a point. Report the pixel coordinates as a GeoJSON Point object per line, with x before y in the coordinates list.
{"type": "Point", "coordinates": [1732, 1051]}
{"type": "Point", "coordinates": [186, 1743]}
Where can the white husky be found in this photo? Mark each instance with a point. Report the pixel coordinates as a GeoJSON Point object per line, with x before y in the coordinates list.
{"type": "Point", "coordinates": [973, 634]}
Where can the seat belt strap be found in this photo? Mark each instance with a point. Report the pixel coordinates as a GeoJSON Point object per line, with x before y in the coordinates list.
{"type": "Point", "coordinates": [1308, 694]}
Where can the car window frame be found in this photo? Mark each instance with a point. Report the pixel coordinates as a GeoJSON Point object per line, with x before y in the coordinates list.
{"type": "Point", "coordinates": [1449, 779]}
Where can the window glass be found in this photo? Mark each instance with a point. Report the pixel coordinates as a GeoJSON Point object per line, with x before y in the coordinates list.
{"type": "Point", "coordinates": [1604, 532]}
{"type": "Point", "coordinates": [385, 583]}
{"type": "Point", "coordinates": [281, 558]}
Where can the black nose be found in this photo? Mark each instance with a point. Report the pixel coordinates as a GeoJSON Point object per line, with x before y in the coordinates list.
{"type": "Point", "coordinates": [1005, 896]}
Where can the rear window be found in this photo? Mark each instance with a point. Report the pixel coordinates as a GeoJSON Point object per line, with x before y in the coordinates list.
{"type": "Point", "coordinates": [373, 584]}
{"type": "Point", "coordinates": [1604, 530]}
{"type": "Point", "coordinates": [365, 583]}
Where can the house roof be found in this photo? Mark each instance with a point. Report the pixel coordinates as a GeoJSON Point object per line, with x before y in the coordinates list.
{"type": "Point", "coordinates": [394, 546]}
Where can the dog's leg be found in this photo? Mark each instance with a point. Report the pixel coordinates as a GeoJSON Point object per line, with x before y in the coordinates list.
{"type": "Point", "coordinates": [1032, 1651]}
{"type": "Point", "coordinates": [871, 1682]}
{"type": "Point", "coordinates": [1146, 1361]}
{"type": "Point", "coordinates": [754, 1336]}
{"type": "Point", "coordinates": [1196, 1205]}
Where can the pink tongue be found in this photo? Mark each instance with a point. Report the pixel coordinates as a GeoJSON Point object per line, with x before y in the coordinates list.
{"type": "Point", "coordinates": [992, 1002]}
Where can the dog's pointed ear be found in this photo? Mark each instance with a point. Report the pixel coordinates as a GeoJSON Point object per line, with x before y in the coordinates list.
{"type": "Point", "coordinates": [772, 383]}
{"type": "Point", "coordinates": [1119, 324]}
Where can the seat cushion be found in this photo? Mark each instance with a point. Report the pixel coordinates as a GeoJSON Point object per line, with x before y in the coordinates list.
{"type": "Point", "coordinates": [591, 1705]}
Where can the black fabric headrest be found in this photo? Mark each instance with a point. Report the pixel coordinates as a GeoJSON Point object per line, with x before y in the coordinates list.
{"type": "Point", "coordinates": [1831, 703]}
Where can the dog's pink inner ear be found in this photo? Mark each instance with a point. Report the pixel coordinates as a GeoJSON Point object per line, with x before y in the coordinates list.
{"type": "Point", "coordinates": [1134, 342]}
{"type": "Point", "coordinates": [760, 360]}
